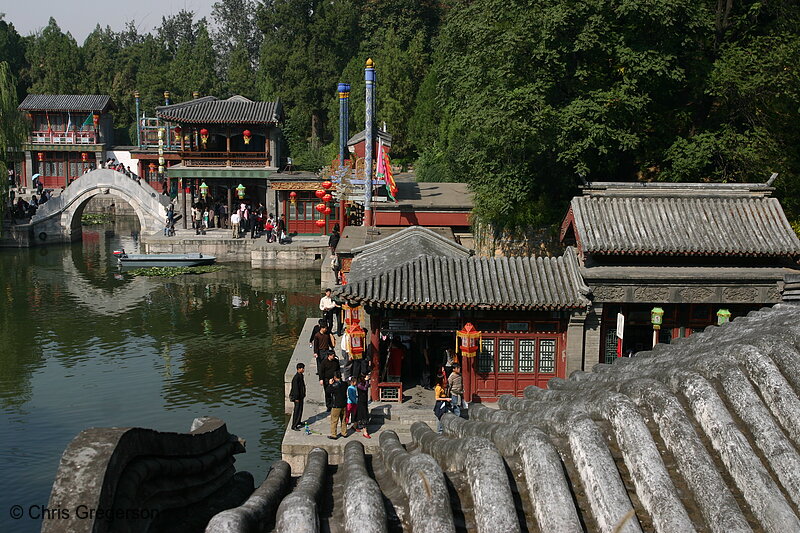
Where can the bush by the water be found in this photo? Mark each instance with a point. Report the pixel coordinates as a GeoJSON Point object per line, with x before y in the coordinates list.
{"type": "Point", "coordinates": [91, 219]}
{"type": "Point", "coordinates": [171, 272]}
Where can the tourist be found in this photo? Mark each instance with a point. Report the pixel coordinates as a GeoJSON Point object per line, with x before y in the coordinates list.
{"type": "Point", "coordinates": [449, 360]}
{"type": "Point", "coordinates": [34, 201]}
{"type": "Point", "coordinates": [206, 218]}
{"type": "Point", "coordinates": [348, 362]}
{"type": "Point", "coordinates": [297, 395]}
{"type": "Point", "coordinates": [441, 400]}
{"type": "Point", "coordinates": [269, 227]}
{"type": "Point", "coordinates": [322, 342]}
{"type": "Point", "coordinates": [328, 308]}
{"type": "Point", "coordinates": [216, 215]}
{"type": "Point", "coordinates": [235, 225]}
{"type": "Point", "coordinates": [336, 266]}
{"type": "Point", "coordinates": [333, 240]}
{"type": "Point", "coordinates": [456, 387]}
{"type": "Point", "coordinates": [314, 331]}
{"type": "Point", "coordinates": [282, 238]}
{"type": "Point", "coordinates": [339, 403]}
{"type": "Point", "coordinates": [326, 370]}
{"type": "Point", "coordinates": [352, 402]}
{"type": "Point", "coordinates": [223, 215]}
{"type": "Point", "coordinates": [362, 407]}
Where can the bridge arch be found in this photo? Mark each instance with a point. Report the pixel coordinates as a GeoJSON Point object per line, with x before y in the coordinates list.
{"type": "Point", "coordinates": [59, 220]}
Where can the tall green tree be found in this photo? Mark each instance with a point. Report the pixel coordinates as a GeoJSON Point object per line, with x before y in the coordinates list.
{"type": "Point", "coordinates": [240, 75]}
{"type": "Point", "coordinates": [55, 61]}
{"type": "Point", "coordinates": [536, 94]}
{"type": "Point", "coordinates": [13, 129]}
{"type": "Point", "coordinates": [12, 51]}
{"type": "Point", "coordinates": [234, 31]}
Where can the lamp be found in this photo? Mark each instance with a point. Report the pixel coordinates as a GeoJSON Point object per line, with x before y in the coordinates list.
{"type": "Point", "coordinates": [320, 223]}
{"type": "Point", "coordinates": [355, 335]}
{"type": "Point", "coordinates": [352, 315]}
{"type": "Point", "coordinates": [204, 136]}
{"type": "Point", "coordinates": [723, 316]}
{"type": "Point", "coordinates": [84, 157]}
{"type": "Point", "coordinates": [247, 136]}
{"type": "Point", "coordinates": [327, 184]}
{"type": "Point", "coordinates": [656, 318]}
{"type": "Point", "coordinates": [319, 193]}
{"type": "Point", "coordinates": [240, 191]}
{"type": "Point", "coordinates": [203, 190]}
{"type": "Point", "coordinates": [468, 340]}
{"type": "Point", "coordinates": [293, 197]}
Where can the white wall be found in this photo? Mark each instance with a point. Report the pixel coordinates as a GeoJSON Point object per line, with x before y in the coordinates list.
{"type": "Point", "coordinates": [124, 157]}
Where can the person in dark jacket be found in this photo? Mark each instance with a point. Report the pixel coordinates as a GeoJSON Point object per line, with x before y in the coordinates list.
{"type": "Point", "coordinates": [327, 369]}
{"type": "Point", "coordinates": [322, 343]}
{"type": "Point", "coordinates": [333, 240]}
{"type": "Point", "coordinates": [339, 396]}
{"type": "Point", "coordinates": [296, 395]}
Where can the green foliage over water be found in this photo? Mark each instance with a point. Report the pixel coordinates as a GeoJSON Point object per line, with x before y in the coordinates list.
{"type": "Point", "coordinates": [171, 272]}
{"type": "Point", "coordinates": [93, 219]}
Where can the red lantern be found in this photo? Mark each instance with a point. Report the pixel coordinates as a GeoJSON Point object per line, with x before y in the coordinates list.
{"type": "Point", "coordinates": [468, 340]}
{"type": "Point", "coordinates": [320, 207]}
{"type": "Point", "coordinates": [327, 197]}
{"type": "Point", "coordinates": [96, 119]}
{"type": "Point", "coordinates": [319, 194]}
{"type": "Point", "coordinates": [204, 136]}
{"type": "Point", "coordinates": [40, 156]}
{"type": "Point", "coordinates": [327, 210]}
{"type": "Point", "coordinates": [84, 157]}
{"type": "Point", "coordinates": [177, 130]}
{"type": "Point", "coordinates": [352, 315]}
{"type": "Point", "coordinates": [355, 335]}
{"type": "Point", "coordinates": [293, 197]}
{"type": "Point", "coordinates": [327, 185]}
{"type": "Point", "coordinates": [247, 136]}
{"type": "Point", "coordinates": [320, 223]}
{"type": "Point", "coordinates": [152, 167]}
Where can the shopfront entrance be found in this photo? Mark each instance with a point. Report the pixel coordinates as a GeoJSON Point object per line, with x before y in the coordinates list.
{"type": "Point", "coordinates": [302, 216]}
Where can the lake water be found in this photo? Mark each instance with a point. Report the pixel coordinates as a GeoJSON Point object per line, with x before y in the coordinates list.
{"type": "Point", "coordinates": [82, 345]}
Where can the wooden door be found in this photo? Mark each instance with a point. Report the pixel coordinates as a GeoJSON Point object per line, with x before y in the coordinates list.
{"type": "Point", "coordinates": [508, 363]}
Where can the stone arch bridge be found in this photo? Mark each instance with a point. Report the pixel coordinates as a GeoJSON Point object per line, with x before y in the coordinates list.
{"type": "Point", "coordinates": [59, 219]}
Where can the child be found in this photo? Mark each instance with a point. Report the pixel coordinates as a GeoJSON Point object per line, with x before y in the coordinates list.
{"type": "Point", "coordinates": [352, 402]}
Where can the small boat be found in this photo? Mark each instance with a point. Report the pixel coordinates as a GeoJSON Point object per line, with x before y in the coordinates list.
{"type": "Point", "coordinates": [162, 260]}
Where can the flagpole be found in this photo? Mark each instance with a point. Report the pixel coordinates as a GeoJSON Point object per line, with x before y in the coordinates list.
{"type": "Point", "coordinates": [369, 78]}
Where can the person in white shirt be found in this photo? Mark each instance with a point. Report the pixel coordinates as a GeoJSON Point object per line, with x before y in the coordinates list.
{"type": "Point", "coordinates": [328, 308]}
{"type": "Point", "coordinates": [235, 225]}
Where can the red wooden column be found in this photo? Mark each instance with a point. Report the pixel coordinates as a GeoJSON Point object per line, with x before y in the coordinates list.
{"type": "Point", "coordinates": [375, 343]}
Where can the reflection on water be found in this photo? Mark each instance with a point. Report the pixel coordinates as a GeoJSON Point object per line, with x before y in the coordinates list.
{"type": "Point", "coordinates": [82, 346]}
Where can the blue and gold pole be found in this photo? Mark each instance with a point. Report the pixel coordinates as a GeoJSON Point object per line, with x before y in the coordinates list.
{"type": "Point", "coordinates": [369, 78]}
{"type": "Point", "coordinates": [344, 95]}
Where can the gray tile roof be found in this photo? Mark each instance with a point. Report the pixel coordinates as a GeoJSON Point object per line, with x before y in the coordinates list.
{"type": "Point", "coordinates": [400, 247]}
{"type": "Point", "coordinates": [357, 236]}
{"type": "Point", "coordinates": [67, 102]}
{"type": "Point", "coordinates": [474, 282]}
{"type": "Point", "coordinates": [212, 110]}
{"type": "Point", "coordinates": [681, 225]}
{"type": "Point", "coordinates": [378, 134]}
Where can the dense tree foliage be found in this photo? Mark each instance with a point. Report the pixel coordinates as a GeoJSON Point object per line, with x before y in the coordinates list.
{"type": "Point", "coordinates": [523, 99]}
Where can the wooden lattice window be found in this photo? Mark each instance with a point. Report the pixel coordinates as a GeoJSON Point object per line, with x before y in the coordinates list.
{"type": "Point", "coordinates": [505, 360]}
{"type": "Point", "coordinates": [547, 356]}
{"type": "Point", "coordinates": [527, 355]}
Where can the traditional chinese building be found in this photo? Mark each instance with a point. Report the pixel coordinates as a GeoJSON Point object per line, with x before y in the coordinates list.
{"type": "Point", "coordinates": [70, 134]}
{"type": "Point", "coordinates": [420, 288]}
{"type": "Point", "coordinates": [684, 255]}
